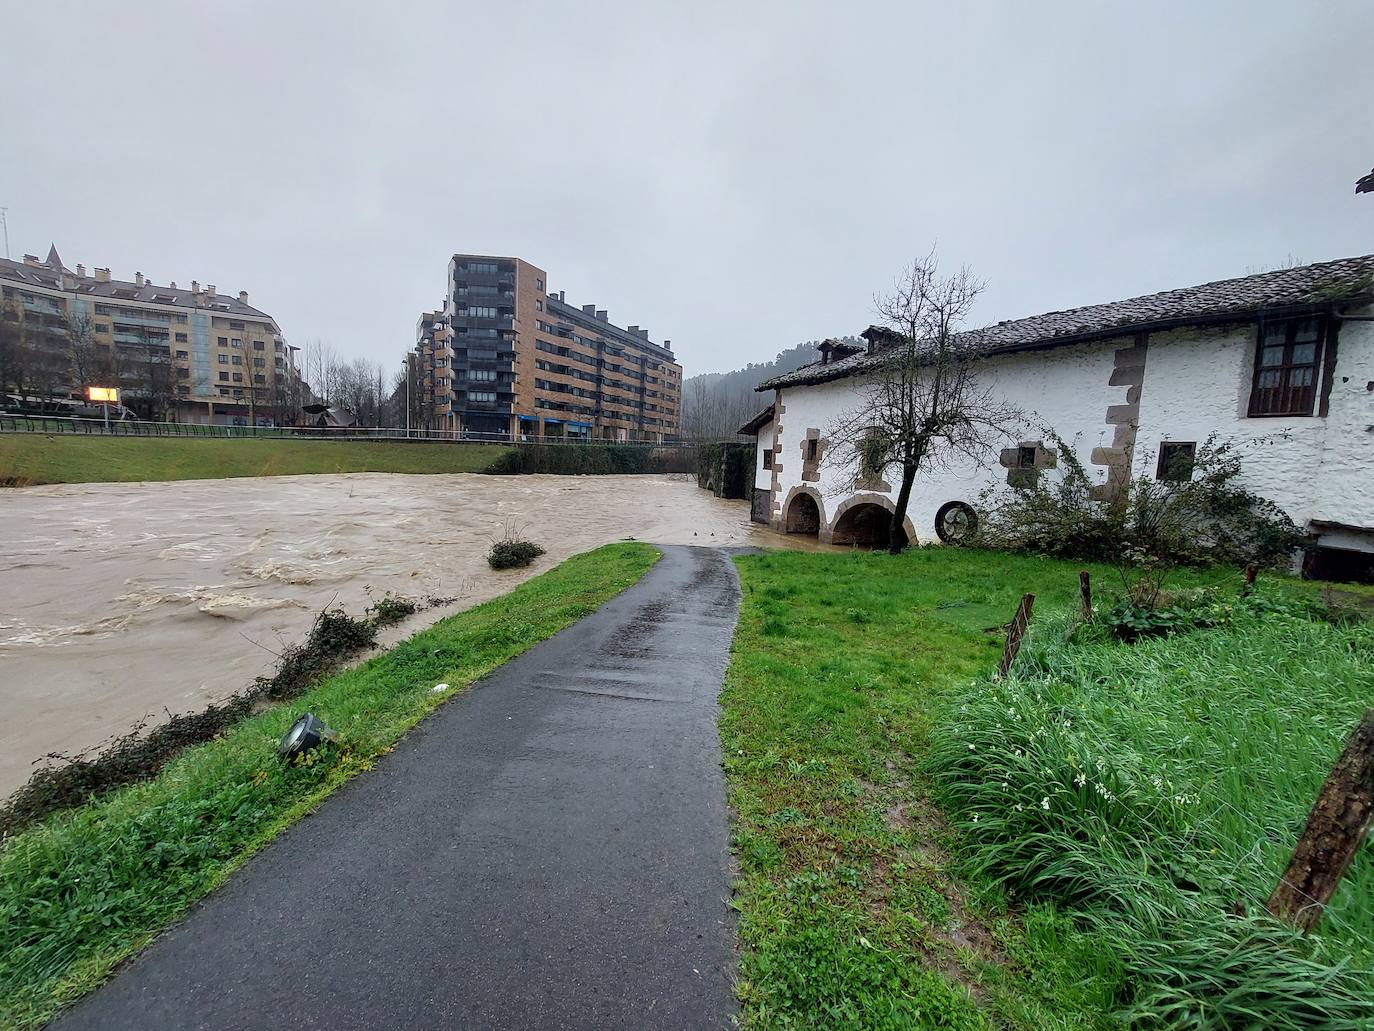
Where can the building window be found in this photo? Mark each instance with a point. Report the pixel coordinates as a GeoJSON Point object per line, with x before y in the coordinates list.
{"type": "Point", "coordinates": [812, 449]}
{"type": "Point", "coordinates": [236, 342]}
{"type": "Point", "coordinates": [258, 345]}
{"type": "Point", "coordinates": [259, 362]}
{"type": "Point", "coordinates": [235, 325]}
{"type": "Point", "coordinates": [479, 312]}
{"type": "Point", "coordinates": [1287, 367]}
{"type": "Point", "coordinates": [1176, 461]}
{"type": "Point", "coordinates": [481, 267]}
{"type": "Point", "coordinates": [768, 459]}
{"type": "Point", "coordinates": [1025, 457]}
{"type": "Point", "coordinates": [481, 395]}
{"type": "Point", "coordinates": [223, 359]}
{"type": "Point", "coordinates": [259, 379]}
{"type": "Point", "coordinates": [224, 376]}
{"type": "Point", "coordinates": [223, 341]}
{"type": "Point", "coordinates": [183, 354]}
{"type": "Point", "coordinates": [181, 338]}
{"type": "Point", "coordinates": [238, 377]}
{"type": "Point", "coordinates": [482, 375]}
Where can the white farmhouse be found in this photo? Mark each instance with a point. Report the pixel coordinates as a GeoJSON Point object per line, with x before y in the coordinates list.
{"type": "Point", "coordinates": [1282, 363]}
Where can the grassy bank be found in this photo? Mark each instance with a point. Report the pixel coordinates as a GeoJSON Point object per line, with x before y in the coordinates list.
{"type": "Point", "coordinates": [867, 898]}
{"type": "Point", "coordinates": [29, 458]}
{"type": "Point", "coordinates": [86, 888]}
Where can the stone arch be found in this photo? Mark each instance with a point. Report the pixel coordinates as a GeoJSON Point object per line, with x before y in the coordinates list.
{"type": "Point", "coordinates": [804, 512]}
{"type": "Point", "coordinates": [864, 520]}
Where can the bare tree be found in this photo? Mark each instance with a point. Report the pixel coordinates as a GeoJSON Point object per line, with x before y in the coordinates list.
{"type": "Point", "coordinates": [923, 403]}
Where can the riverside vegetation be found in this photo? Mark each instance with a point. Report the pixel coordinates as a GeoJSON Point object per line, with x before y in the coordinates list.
{"type": "Point", "coordinates": [83, 889]}
{"type": "Point", "coordinates": [29, 459]}
{"type": "Point", "coordinates": [1085, 844]}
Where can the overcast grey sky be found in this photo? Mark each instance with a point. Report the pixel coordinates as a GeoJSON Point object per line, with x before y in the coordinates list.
{"type": "Point", "coordinates": [735, 176]}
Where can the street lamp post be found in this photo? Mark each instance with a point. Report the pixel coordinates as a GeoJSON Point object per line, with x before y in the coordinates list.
{"type": "Point", "coordinates": [407, 365]}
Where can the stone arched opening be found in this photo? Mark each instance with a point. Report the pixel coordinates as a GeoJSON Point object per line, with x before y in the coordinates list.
{"type": "Point", "coordinates": [865, 522]}
{"type": "Point", "coordinates": [803, 515]}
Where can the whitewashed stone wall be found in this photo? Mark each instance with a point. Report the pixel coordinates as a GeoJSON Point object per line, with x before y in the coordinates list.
{"type": "Point", "coordinates": [1196, 382]}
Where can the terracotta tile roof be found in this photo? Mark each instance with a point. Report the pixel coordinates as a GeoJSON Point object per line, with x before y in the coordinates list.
{"type": "Point", "coordinates": [1295, 289]}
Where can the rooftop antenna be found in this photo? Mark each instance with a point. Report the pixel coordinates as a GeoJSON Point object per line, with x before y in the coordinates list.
{"type": "Point", "coordinates": [5, 225]}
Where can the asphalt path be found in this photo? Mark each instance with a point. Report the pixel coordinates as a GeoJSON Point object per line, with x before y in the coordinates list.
{"type": "Point", "coordinates": [548, 850]}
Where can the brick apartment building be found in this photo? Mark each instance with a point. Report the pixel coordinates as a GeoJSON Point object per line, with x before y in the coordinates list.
{"type": "Point", "coordinates": [192, 355]}
{"type": "Point", "coordinates": [505, 356]}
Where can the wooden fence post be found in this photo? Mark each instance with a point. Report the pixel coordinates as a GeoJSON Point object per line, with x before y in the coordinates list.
{"type": "Point", "coordinates": [1016, 629]}
{"type": "Point", "coordinates": [1250, 571]}
{"type": "Point", "coordinates": [1335, 827]}
{"type": "Point", "coordinates": [1085, 596]}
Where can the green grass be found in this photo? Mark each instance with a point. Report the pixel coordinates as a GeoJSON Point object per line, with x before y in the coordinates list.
{"type": "Point", "coordinates": [863, 896]}
{"type": "Point", "coordinates": [86, 888]}
{"type": "Point", "coordinates": [29, 459]}
{"type": "Point", "coordinates": [1156, 791]}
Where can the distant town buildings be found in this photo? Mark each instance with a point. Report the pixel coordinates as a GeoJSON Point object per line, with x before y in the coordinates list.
{"type": "Point", "coordinates": [505, 356]}
{"type": "Point", "coordinates": [190, 355]}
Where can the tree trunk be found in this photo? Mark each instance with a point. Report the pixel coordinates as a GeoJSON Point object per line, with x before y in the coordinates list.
{"type": "Point", "coordinates": [1335, 827]}
{"type": "Point", "coordinates": [896, 534]}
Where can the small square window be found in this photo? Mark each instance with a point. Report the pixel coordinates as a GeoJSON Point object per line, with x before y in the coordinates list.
{"type": "Point", "coordinates": [224, 376]}
{"type": "Point", "coordinates": [1025, 457]}
{"type": "Point", "coordinates": [812, 449]}
{"type": "Point", "coordinates": [223, 358]}
{"type": "Point", "coordinates": [768, 459]}
{"type": "Point", "coordinates": [1176, 461]}
{"type": "Point", "coordinates": [223, 341]}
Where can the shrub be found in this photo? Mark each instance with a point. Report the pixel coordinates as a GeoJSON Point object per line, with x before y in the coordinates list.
{"type": "Point", "coordinates": [589, 459]}
{"type": "Point", "coordinates": [509, 553]}
{"type": "Point", "coordinates": [1210, 518]}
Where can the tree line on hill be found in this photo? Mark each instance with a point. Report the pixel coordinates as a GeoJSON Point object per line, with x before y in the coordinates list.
{"type": "Point", "coordinates": [716, 404]}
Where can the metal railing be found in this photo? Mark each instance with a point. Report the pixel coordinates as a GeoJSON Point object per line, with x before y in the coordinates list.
{"type": "Point", "coordinates": [62, 424]}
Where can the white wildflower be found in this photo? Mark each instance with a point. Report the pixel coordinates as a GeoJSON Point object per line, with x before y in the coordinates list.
{"type": "Point", "coordinates": [1045, 804]}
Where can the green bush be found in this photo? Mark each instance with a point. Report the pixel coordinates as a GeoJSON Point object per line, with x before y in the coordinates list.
{"type": "Point", "coordinates": [1155, 792]}
{"type": "Point", "coordinates": [508, 553]}
{"type": "Point", "coordinates": [1209, 518]}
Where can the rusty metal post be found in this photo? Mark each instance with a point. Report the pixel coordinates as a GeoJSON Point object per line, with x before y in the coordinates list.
{"type": "Point", "coordinates": [1335, 827]}
{"type": "Point", "coordinates": [1016, 629]}
{"type": "Point", "coordinates": [1085, 596]}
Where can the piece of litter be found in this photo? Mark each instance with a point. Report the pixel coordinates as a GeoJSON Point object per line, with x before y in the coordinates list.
{"type": "Point", "coordinates": [440, 687]}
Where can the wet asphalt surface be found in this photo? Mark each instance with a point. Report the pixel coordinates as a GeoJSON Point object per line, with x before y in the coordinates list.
{"type": "Point", "coordinates": [548, 850]}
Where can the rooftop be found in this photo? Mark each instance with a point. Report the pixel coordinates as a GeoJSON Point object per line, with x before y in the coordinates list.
{"type": "Point", "coordinates": [1292, 289]}
{"type": "Point", "coordinates": [50, 274]}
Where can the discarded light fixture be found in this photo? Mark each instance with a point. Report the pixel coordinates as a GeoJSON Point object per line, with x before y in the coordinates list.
{"type": "Point", "coordinates": [306, 733]}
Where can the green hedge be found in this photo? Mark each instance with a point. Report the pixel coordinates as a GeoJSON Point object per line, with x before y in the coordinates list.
{"type": "Point", "coordinates": [726, 469]}
{"type": "Point", "coordinates": [589, 459]}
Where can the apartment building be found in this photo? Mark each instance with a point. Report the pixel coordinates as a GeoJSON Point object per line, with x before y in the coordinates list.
{"type": "Point", "coordinates": [506, 356]}
{"type": "Point", "coordinates": [189, 355]}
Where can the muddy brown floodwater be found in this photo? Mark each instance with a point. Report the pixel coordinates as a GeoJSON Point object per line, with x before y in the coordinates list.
{"type": "Point", "coordinates": [125, 600]}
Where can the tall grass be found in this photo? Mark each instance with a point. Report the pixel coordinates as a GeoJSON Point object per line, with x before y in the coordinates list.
{"type": "Point", "coordinates": [1156, 791]}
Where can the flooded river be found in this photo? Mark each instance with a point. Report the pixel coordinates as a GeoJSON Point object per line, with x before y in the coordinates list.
{"type": "Point", "coordinates": [120, 600]}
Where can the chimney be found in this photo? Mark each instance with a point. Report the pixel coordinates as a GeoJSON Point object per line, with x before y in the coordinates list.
{"type": "Point", "coordinates": [603, 314]}
{"type": "Point", "coordinates": [560, 296]}
{"type": "Point", "coordinates": [31, 259]}
{"type": "Point", "coordinates": [173, 284]}
{"type": "Point", "coordinates": [102, 275]}
{"type": "Point", "coordinates": [589, 309]}
{"type": "Point", "coordinates": [138, 279]}
{"type": "Point", "coordinates": [81, 272]}
{"type": "Point", "coordinates": [243, 297]}
{"type": "Point", "coordinates": [195, 288]}
{"type": "Point", "coordinates": [632, 330]}
{"type": "Point", "coordinates": [209, 289]}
